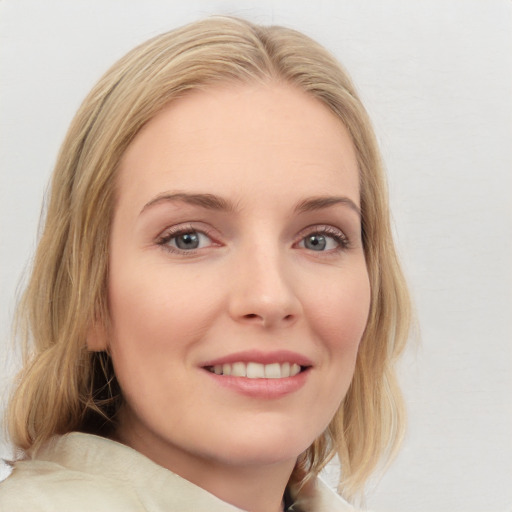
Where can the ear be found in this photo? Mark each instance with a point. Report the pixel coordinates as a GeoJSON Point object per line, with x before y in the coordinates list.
{"type": "Point", "coordinates": [97, 340]}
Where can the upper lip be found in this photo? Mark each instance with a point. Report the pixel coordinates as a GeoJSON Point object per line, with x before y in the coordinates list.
{"type": "Point", "coordinates": [257, 356]}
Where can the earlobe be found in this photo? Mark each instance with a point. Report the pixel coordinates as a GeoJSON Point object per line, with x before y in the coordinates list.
{"type": "Point", "coordinates": [97, 340]}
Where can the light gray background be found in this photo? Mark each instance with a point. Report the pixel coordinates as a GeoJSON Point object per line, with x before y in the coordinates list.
{"type": "Point", "coordinates": [436, 78]}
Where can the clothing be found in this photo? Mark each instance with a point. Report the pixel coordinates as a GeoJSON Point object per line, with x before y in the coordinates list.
{"type": "Point", "coordinates": [86, 473]}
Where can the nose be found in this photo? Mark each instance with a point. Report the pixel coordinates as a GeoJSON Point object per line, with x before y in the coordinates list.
{"type": "Point", "coordinates": [263, 290]}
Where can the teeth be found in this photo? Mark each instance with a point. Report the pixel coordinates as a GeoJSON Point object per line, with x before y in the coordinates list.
{"type": "Point", "coordinates": [257, 370]}
{"type": "Point", "coordinates": [238, 370]}
{"type": "Point", "coordinates": [273, 371]}
{"type": "Point", "coordinates": [295, 368]}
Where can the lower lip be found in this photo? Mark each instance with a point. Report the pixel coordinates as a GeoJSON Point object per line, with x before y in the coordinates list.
{"type": "Point", "coordinates": [262, 388]}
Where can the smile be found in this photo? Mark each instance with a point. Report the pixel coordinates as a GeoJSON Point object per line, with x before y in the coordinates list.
{"type": "Point", "coordinates": [253, 370]}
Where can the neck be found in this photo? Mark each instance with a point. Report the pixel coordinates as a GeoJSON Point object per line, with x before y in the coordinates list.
{"type": "Point", "coordinates": [248, 488]}
{"type": "Point", "coordinates": [251, 486]}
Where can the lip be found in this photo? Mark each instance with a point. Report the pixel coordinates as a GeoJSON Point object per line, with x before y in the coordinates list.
{"type": "Point", "coordinates": [266, 389]}
{"type": "Point", "coordinates": [257, 356]}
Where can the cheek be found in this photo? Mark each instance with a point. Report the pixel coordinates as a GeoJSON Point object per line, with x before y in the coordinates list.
{"type": "Point", "coordinates": [155, 318]}
{"type": "Point", "coordinates": [339, 314]}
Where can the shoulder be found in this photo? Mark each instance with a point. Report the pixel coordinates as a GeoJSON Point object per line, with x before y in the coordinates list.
{"type": "Point", "coordinates": [317, 496]}
{"type": "Point", "coordinates": [36, 486]}
{"type": "Point", "coordinates": [52, 484]}
{"type": "Point", "coordinates": [83, 473]}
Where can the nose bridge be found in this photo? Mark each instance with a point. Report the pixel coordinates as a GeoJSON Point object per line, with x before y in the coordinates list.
{"type": "Point", "coordinates": [263, 290]}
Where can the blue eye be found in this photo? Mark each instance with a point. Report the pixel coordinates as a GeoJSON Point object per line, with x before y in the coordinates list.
{"type": "Point", "coordinates": [315, 242]}
{"type": "Point", "coordinates": [188, 240]}
{"type": "Point", "coordinates": [325, 239]}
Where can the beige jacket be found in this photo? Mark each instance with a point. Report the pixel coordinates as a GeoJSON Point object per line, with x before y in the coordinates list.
{"type": "Point", "coordinates": [85, 473]}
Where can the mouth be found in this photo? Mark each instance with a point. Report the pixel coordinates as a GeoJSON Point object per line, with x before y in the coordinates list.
{"type": "Point", "coordinates": [260, 375]}
{"type": "Point", "coordinates": [254, 370]}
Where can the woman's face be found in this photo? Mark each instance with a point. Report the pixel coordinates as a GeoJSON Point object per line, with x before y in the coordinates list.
{"type": "Point", "coordinates": [238, 288]}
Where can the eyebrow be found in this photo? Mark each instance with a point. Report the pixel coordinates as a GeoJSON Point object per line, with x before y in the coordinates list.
{"type": "Point", "coordinates": [321, 202]}
{"type": "Point", "coordinates": [207, 201]}
{"type": "Point", "coordinates": [213, 202]}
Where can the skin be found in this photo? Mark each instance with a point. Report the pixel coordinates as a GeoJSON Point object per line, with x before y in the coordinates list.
{"type": "Point", "coordinates": [252, 284]}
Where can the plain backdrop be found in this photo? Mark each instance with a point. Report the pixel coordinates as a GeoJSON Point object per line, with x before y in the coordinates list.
{"type": "Point", "coordinates": [436, 78]}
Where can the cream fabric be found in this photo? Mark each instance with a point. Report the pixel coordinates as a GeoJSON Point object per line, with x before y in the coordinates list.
{"type": "Point", "coordinates": [85, 473]}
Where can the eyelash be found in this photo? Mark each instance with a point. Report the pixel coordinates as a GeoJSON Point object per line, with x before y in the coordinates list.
{"type": "Point", "coordinates": [336, 234]}
{"type": "Point", "coordinates": [173, 232]}
{"type": "Point", "coordinates": [330, 231]}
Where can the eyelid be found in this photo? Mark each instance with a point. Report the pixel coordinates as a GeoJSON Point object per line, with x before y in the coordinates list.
{"type": "Point", "coordinates": [328, 230]}
{"type": "Point", "coordinates": [173, 231]}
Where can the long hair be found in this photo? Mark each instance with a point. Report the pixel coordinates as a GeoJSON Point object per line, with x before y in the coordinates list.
{"type": "Point", "coordinates": [63, 386]}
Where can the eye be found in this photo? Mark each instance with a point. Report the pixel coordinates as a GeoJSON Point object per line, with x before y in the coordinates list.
{"type": "Point", "coordinates": [184, 240]}
{"type": "Point", "coordinates": [187, 241]}
{"type": "Point", "coordinates": [324, 239]}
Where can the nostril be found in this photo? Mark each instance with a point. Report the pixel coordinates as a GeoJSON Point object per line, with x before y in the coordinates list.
{"type": "Point", "coordinates": [267, 320]}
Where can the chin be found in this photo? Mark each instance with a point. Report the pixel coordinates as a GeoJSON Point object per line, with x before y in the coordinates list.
{"type": "Point", "coordinates": [266, 447]}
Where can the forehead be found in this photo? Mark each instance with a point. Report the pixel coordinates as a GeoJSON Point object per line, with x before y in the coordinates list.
{"type": "Point", "coordinates": [241, 140]}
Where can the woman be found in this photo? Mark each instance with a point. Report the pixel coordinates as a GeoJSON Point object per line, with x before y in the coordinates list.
{"type": "Point", "coordinates": [216, 304]}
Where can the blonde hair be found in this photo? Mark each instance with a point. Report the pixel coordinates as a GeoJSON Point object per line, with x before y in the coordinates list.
{"type": "Point", "coordinates": [63, 386]}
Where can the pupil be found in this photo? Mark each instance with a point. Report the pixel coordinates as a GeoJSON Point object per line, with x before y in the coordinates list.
{"type": "Point", "coordinates": [187, 241]}
{"type": "Point", "coordinates": [316, 242]}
